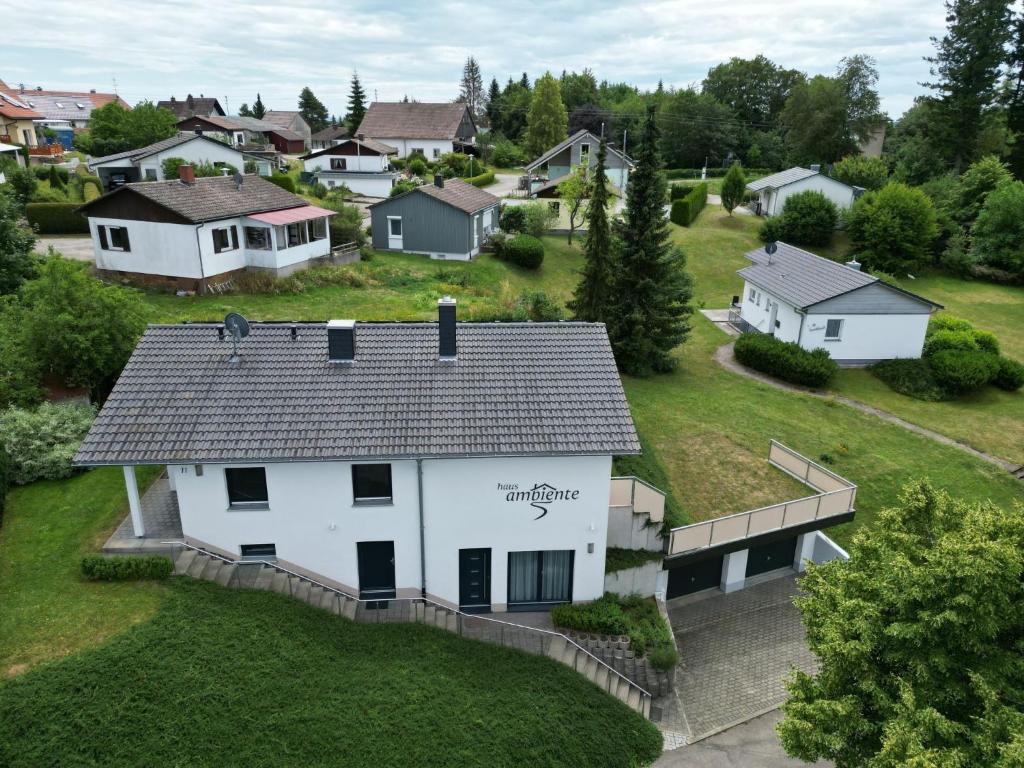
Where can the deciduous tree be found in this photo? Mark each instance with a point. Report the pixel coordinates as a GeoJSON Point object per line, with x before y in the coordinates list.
{"type": "Point", "coordinates": [755, 89]}
{"type": "Point", "coordinates": [695, 127]}
{"type": "Point", "coordinates": [893, 229]}
{"type": "Point", "coordinates": [547, 120]}
{"type": "Point", "coordinates": [734, 186]}
{"type": "Point", "coordinates": [861, 171]}
{"type": "Point", "coordinates": [578, 89]}
{"type": "Point", "coordinates": [919, 638]}
{"type": "Point", "coordinates": [18, 263]}
{"type": "Point", "coordinates": [574, 193]}
{"type": "Point", "coordinates": [112, 128]}
{"type": "Point", "coordinates": [650, 312]}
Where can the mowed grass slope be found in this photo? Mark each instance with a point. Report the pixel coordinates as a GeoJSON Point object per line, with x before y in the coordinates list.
{"type": "Point", "coordinates": [227, 677]}
{"type": "Point", "coordinates": [990, 420]}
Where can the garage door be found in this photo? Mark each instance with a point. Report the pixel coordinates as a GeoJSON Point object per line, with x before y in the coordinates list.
{"type": "Point", "coordinates": [692, 578]}
{"type": "Point", "coordinates": [771, 557]}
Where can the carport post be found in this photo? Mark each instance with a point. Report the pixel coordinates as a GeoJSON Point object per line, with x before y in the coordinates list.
{"type": "Point", "coordinates": [804, 550]}
{"type": "Point", "coordinates": [134, 503]}
{"type": "Point", "coordinates": [734, 570]}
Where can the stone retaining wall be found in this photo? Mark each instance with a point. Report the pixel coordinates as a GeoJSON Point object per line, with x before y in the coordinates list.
{"type": "Point", "coordinates": [614, 651]}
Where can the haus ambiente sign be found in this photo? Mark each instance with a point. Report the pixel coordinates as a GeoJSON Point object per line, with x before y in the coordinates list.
{"type": "Point", "coordinates": [540, 496]}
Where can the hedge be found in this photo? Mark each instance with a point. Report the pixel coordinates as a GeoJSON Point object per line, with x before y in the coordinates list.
{"type": "Point", "coordinates": [959, 370]}
{"type": "Point", "coordinates": [712, 173]}
{"type": "Point", "coordinates": [525, 250]}
{"type": "Point", "coordinates": [56, 219]}
{"type": "Point", "coordinates": [785, 359]}
{"type": "Point", "coordinates": [125, 568]}
{"type": "Point", "coordinates": [481, 180]}
{"type": "Point", "coordinates": [685, 210]}
{"type": "Point", "coordinates": [679, 191]}
{"type": "Point", "coordinates": [283, 180]}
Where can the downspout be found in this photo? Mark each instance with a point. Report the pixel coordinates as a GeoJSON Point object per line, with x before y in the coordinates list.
{"type": "Point", "coordinates": [800, 333]}
{"type": "Point", "coordinates": [423, 545]}
{"type": "Point", "coordinates": [199, 249]}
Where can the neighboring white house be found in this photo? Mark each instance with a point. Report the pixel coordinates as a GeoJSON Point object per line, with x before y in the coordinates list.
{"type": "Point", "coordinates": [797, 296]}
{"type": "Point", "coordinates": [432, 129]}
{"type": "Point", "coordinates": [773, 190]}
{"type": "Point", "coordinates": [362, 165]}
{"type": "Point", "coordinates": [146, 163]}
{"type": "Point", "coordinates": [194, 232]}
{"type": "Point", "coordinates": [469, 463]}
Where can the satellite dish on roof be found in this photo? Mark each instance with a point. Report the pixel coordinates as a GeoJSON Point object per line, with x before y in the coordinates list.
{"type": "Point", "coordinates": [238, 327]}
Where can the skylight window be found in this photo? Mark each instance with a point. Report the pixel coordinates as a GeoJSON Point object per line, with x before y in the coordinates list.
{"type": "Point", "coordinates": [79, 105]}
{"type": "Point", "coordinates": [59, 105]}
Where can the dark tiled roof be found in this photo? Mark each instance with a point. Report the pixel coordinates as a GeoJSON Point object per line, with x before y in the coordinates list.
{"type": "Point", "coordinates": [803, 279]}
{"type": "Point", "coordinates": [459, 194]}
{"type": "Point", "coordinates": [152, 149]}
{"type": "Point", "coordinates": [413, 120]}
{"type": "Point", "coordinates": [515, 389]}
{"type": "Point", "coordinates": [375, 147]}
{"type": "Point", "coordinates": [191, 105]}
{"type": "Point", "coordinates": [580, 134]}
{"type": "Point", "coordinates": [210, 198]}
{"type": "Point", "coordinates": [331, 132]}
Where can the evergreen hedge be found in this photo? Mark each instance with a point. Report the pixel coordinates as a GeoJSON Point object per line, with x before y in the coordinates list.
{"type": "Point", "coordinates": [785, 359]}
{"type": "Point", "coordinates": [56, 219]}
{"type": "Point", "coordinates": [283, 180]}
{"type": "Point", "coordinates": [712, 173]}
{"type": "Point", "coordinates": [125, 568]}
{"type": "Point", "coordinates": [524, 250]}
{"type": "Point", "coordinates": [481, 180]}
{"type": "Point", "coordinates": [685, 210]}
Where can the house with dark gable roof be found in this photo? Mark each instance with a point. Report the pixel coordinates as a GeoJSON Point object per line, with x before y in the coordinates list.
{"type": "Point", "coordinates": [192, 233]}
{"type": "Point", "coordinates": [448, 219]}
{"type": "Point", "coordinates": [469, 463]}
{"type": "Point", "coordinates": [362, 165]}
{"type": "Point", "coordinates": [409, 127]}
{"type": "Point", "coordinates": [192, 106]}
{"type": "Point", "coordinates": [857, 318]}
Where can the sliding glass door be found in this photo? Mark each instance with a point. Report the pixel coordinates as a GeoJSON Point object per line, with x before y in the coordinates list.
{"type": "Point", "coordinates": [536, 579]}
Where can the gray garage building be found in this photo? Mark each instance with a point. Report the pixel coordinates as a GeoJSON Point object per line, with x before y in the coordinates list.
{"type": "Point", "coordinates": [448, 219]}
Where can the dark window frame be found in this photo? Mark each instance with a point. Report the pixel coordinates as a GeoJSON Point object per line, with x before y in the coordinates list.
{"type": "Point", "coordinates": [375, 500]}
{"type": "Point", "coordinates": [232, 487]}
{"type": "Point", "coordinates": [258, 551]}
{"type": "Point", "coordinates": [838, 335]}
{"type": "Point", "coordinates": [339, 164]}
{"type": "Point", "coordinates": [230, 242]}
{"type": "Point", "coordinates": [107, 233]}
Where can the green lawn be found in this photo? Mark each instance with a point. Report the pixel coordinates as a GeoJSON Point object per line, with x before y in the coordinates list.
{"type": "Point", "coordinates": [990, 420]}
{"type": "Point", "coordinates": [225, 677]}
{"type": "Point", "coordinates": [46, 611]}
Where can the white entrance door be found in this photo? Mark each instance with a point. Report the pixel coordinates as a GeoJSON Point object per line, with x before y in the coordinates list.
{"type": "Point", "coordinates": [395, 233]}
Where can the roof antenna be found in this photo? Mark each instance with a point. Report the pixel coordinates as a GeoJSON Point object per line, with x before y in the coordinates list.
{"type": "Point", "coordinates": [238, 327]}
{"type": "Point", "coordinates": [770, 247]}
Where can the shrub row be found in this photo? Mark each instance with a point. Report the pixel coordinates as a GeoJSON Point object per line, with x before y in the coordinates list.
{"type": "Point", "coordinates": [685, 209]}
{"type": "Point", "coordinates": [56, 219]}
{"type": "Point", "coordinates": [481, 180]}
{"type": "Point", "coordinates": [283, 180]}
{"type": "Point", "coordinates": [125, 568]}
{"type": "Point", "coordinates": [785, 359]}
{"type": "Point", "coordinates": [712, 173]}
{"type": "Point", "coordinates": [523, 250]}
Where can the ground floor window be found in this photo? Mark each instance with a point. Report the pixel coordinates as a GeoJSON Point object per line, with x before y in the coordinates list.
{"type": "Point", "coordinates": [297, 234]}
{"type": "Point", "coordinates": [257, 238]}
{"type": "Point", "coordinates": [395, 226]}
{"type": "Point", "coordinates": [318, 229]}
{"type": "Point", "coordinates": [833, 330]}
{"type": "Point", "coordinates": [540, 577]}
{"type": "Point", "coordinates": [113, 238]}
{"type": "Point", "coordinates": [225, 239]}
{"type": "Point", "coordinates": [259, 551]}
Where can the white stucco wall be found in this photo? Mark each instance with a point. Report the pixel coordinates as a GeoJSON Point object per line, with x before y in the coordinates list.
{"type": "Point", "coordinates": [362, 163]}
{"type": "Point", "coordinates": [156, 248]}
{"type": "Point", "coordinates": [405, 146]}
{"type": "Point", "coordinates": [193, 152]}
{"type": "Point", "coordinates": [314, 524]}
{"type": "Point", "coordinates": [836, 191]}
{"type": "Point", "coordinates": [758, 314]}
{"type": "Point", "coordinates": [377, 185]}
{"type": "Point", "coordinates": [868, 337]}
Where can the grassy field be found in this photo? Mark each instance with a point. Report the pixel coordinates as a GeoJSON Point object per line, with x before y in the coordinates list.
{"type": "Point", "coordinates": [990, 420]}
{"type": "Point", "coordinates": [225, 677]}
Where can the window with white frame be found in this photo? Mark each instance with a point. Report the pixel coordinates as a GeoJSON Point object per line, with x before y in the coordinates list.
{"type": "Point", "coordinates": [338, 163]}
{"type": "Point", "coordinates": [833, 330]}
{"type": "Point", "coordinates": [257, 238]}
{"type": "Point", "coordinates": [437, 153]}
{"type": "Point", "coordinates": [395, 226]}
{"type": "Point", "coordinates": [151, 174]}
{"type": "Point", "coordinates": [416, 150]}
{"type": "Point", "coordinates": [225, 239]}
{"type": "Point", "coordinates": [584, 154]}
{"type": "Point", "coordinates": [113, 238]}
{"type": "Point", "coordinates": [297, 234]}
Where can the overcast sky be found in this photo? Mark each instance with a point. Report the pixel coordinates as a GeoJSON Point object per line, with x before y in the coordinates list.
{"type": "Point", "coordinates": [232, 49]}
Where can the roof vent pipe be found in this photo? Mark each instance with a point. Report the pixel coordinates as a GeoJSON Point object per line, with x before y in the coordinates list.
{"type": "Point", "coordinates": [446, 342]}
{"type": "Point", "coordinates": [341, 341]}
{"type": "Point", "coordinates": [854, 265]}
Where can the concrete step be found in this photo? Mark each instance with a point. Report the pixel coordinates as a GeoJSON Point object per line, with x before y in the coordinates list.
{"type": "Point", "coordinates": [622, 692]}
{"type": "Point", "coordinates": [569, 655]}
{"type": "Point", "coordinates": [279, 583]}
{"type": "Point", "coordinates": [301, 591]}
{"type": "Point", "coordinates": [348, 608]}
{"type": "Point", "coordinates": [211, 569]}
{"type": "Point", "coordinates": [223, 577]}
{"type": "Point", "coordinates": [184, 560]}
{"type": "Point", "coordinates": [195, 568]}
{"type": "Point", "coordinates": [264, 578]}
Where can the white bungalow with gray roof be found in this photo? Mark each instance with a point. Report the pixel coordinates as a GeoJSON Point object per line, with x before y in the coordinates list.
{"type": "Point", "coordinates": [857, 318]}
{"type": "Point", "coordinates": [773, 190]}
{"type": "Point", "coordinates": [196, 232]}
{"type": "Point", "coordinates": [469, 463]}
{"type": "Point", "coordinates": [362, 165]}
{"type": "Point", "coordinates": [448, 219]}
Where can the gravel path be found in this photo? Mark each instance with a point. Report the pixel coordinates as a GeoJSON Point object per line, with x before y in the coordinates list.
{"type": "Point", "coordinates": [725, 357]}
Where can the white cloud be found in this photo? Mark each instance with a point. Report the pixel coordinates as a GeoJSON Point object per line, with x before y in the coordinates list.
{"type": "Point", "coordinates": [235, 48]}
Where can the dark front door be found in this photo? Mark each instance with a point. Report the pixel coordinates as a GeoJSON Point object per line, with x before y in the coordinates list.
{"type": "Point", "coordinates": [688, 579]}
{"type": "Point", "coordinates": [771, 556]}
{"type": "Point", "coordinates": [475, 580]}
{"type": "Point", "coordinates": [376, 569]}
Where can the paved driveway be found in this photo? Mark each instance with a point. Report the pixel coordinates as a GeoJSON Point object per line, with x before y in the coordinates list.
{"type": "Point", "coordinates": [735, 652]}
{"type": "Point", "coordinates": [78, 248]}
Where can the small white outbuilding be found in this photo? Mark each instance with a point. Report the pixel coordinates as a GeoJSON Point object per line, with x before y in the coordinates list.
{"type": "Point", "coordinates": [775, 189]}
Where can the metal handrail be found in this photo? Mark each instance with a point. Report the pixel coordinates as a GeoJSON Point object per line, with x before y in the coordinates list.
{"type": "Point", "coordinates": [425, 600]}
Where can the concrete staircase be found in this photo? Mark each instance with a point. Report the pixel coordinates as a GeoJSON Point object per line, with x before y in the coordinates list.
{"type": "Point", "coordinates": [200, 565]}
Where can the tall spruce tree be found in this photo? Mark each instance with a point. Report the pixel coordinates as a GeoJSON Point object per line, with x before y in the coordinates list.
{"type": "Point", "coordinates": [493, 104]}
{"type": "Point", "coordinates": [471, 88]}
{"type": "Point", "coordinates": [313, 110]}
{"type": "Point", "coordinates": [244, 111]}
{"type": "Point", "coordinates": [967, 64]}
{"type": "Point", "coordinates": [356, 105]}
{"type": "Point", "coordinates": [258, 110]}
{"type": "Point", "coordinates": [593, 295]}
{"type": "Point", "coordinates": [1014, 97]}
{"type": "Point", "coordinates": [547, 121]}
{"type": "Point", "coordinates": [650, 309]}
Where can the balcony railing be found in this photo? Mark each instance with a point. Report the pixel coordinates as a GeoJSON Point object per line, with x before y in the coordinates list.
{"type": "Point", "coordinates": [643, 497]}
{"type": "Point", "coordinates": [836, 496]}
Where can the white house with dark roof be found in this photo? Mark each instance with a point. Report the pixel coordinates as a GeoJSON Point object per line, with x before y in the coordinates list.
{"type": "Point", "coordinates": [193, 232]}
{"type": "Point", "coordinates": [146, 163]}
{"type": "Point", "coordinates": [469, 463]}
{"type": "Point", "coordinates": [448, 219]}
{"type": "Point", "coordinates": [774, 189]}
{"type": "Point", "coordinates": [362, 165]}
{"type": "Point", "coordinates": [797, 296]}
{"type": "Point", "coordinates": [431, 129]}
